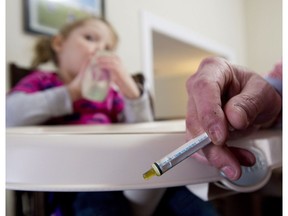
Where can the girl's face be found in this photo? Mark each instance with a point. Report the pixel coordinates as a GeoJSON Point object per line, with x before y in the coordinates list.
{"type": "Point", "coordinates": [74, 51]}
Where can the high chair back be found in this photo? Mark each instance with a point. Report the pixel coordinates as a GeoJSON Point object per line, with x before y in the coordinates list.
{"type": "Point", "coordinates": [16, 73]}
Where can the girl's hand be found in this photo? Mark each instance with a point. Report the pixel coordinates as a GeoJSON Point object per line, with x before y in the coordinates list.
{"type": "Point", "coordinates": [75, 86]}
{"type": "Point", "coordinates": [119, 75]}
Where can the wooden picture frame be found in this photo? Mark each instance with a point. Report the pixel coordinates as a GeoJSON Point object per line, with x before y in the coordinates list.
{"type": "Point", "coordinates": [46, 17]}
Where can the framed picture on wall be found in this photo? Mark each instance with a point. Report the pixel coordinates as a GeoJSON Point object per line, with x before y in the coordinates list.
{"type": "Point", "coordinates": [48, 16]}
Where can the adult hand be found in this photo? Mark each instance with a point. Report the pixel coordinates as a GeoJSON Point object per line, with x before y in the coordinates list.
{"type": "Point", "coordinates": [225, 100]}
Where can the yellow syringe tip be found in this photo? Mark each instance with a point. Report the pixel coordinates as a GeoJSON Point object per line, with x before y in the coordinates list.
{"type": "Point", "coordinates": [149, 174]}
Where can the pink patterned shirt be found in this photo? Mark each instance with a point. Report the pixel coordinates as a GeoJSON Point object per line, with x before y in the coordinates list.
{"type": "Point", "coordinates": [84, 111]}
{"type": "Point", "coordinates": [274, 77]}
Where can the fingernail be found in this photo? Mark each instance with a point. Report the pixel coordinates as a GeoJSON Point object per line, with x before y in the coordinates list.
{"type": "Point", "coordinates": [228, 172]}
{"type": "Point", "coordinates": [215, 134]}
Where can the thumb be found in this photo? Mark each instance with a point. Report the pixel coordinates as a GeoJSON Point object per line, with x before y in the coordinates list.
{"type": "Point", "coordinates": [256, 104]}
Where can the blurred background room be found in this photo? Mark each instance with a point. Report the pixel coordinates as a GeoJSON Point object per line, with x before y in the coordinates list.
{"type": "Point", "coordinates": [165, 41]}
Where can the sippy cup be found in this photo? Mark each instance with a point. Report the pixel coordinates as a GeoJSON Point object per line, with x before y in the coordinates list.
{"type": "Point", "coordinates": [96, 81]}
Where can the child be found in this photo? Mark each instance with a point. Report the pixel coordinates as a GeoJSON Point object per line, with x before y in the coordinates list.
{"type": "Point", "coordinates": [56, 98]}
{"type": "Point", "coordinates": [43, 98]}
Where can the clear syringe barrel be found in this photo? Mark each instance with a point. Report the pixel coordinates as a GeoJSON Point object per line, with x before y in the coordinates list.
{"type": "Point", "coordinates": [181, 153]}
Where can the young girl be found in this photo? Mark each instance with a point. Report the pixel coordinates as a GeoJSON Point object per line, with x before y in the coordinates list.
{"type": "Point", "coordinates": [43, 98]}
{"type": "Point", "coordinates": [56, 98]}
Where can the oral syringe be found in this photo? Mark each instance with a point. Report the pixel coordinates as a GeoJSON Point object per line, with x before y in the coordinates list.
{"type": "Point", "coordinates": [172, 159]}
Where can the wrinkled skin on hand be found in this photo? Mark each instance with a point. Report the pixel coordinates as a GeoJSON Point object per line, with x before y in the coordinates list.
{"type": "Point", "coordinates": [228, 101]}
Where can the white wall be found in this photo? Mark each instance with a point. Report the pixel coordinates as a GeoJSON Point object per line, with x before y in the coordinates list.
{"type": "Point", "coordinates": [222, 21]}
{"type": "Point", "coordinates": [18, 44]}
{"type": "Point", "coordinates": [264, 33]}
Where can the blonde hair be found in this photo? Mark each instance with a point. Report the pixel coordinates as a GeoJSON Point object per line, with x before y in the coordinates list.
{"type": "Point", "coordinates": [43, 51]}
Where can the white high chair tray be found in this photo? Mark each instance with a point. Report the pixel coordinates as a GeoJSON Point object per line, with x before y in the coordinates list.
{"type": "Point", "coordinates": [108, 157]}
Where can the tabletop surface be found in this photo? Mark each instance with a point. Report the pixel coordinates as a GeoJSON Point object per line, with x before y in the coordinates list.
{"type": "Point", "coordinates": [108, 157]}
